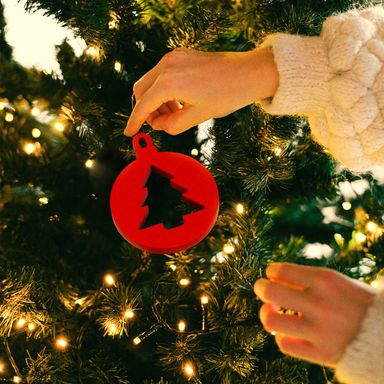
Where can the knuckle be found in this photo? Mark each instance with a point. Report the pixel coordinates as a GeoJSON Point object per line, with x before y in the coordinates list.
{"type": "Point", "coordinates": [173, 57]}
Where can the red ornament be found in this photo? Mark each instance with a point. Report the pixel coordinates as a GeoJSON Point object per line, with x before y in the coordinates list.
{"type": "Point", "coordinates": [186, 175]}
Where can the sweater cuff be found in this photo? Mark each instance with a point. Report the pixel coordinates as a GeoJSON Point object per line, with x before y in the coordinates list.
{"type": "Point", "coordinates": [304, 75]}
{"type": "Point", "coordinates": [362, 362]}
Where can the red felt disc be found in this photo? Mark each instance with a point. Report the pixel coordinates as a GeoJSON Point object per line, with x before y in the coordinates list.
{"type": "Point", "coordinates": [187, 175]}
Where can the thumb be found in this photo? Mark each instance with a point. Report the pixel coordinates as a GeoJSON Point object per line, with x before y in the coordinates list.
{"type": "Point", "coordinates": [178, 121]}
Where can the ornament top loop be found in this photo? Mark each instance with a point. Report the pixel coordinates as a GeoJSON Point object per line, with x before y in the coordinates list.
{"type": "Point", "coordinates": [143, 146]}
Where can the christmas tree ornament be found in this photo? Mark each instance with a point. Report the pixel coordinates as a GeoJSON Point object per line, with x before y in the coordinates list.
{"type": "Point", "coordinates": [130, 194]}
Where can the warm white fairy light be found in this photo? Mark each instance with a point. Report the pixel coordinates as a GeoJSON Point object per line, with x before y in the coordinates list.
{"type": "Point", "coordinates": [109, 279]}
{"type": "Point", "coordinates": [93, 51]}
{"type": "Point", "coordinates": [346, 205]}
{"type": "Point", "coordinates": [31, 326]}
{"type": "Point", "coordinates": [43, 200]}
{"type": "Point", "coordinates": [173, 267]}
{"type": "Point", "coordinates": [61, 343]}
{"type": "Point", "coordinates": [136, 340]}
{"type": "Point", "coordinates": [17, 379]}
{"type": "Point", "coordinates": [2, 105]}
{"type": "Point", "coordinates": [194, 152]}
{"type": "Point", "coordinates": [184, 282]}
{"type": "Point", "coordinates": [59, 126]}
{"type": "Point", "coordinates": [182, 326]}
{"type": "Point", "coordinates": [375, 284]}
{"type": "Point", "coordinates": [371, 227]}
{"type": "Point", "coordinates": [278, 151]}
{"type": "Point", "coordinates": [89, 163]}
{"type": "Point", "coordinates": [189, 369]}
{"type": "Point", "coordinates": [118, 66]}
{"type": "Point", "coordinates": [360, 237]}
{"type": "Point", "coordinates": [114, 21]}
{"type": "Point", "coordinates": [9, 117]}
{"type": "Point", "coordinates": [240, 208]}
{"type": "Point", "coordinates": [35, 111]}
{"type": "Point", "coordinates": [204, 299]}
{"type": "Point", "coordinates": [36, 133]}
{"type": "Point", "coordinates": [228, 248]}
{"type": "Point", "coordinates": [112, 328]}
{"type": "Point", "coordinates": [29, 148]}
{"type": "Point", "coordinates": [20, 323]}
{"type": "Point", "coordinates": [129, 314]}
{"type": "Point", "coordinates": [2, 367]}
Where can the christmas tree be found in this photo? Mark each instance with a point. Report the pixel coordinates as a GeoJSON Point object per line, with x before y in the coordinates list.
{"type": "Point", "coordinates": [80, 305]}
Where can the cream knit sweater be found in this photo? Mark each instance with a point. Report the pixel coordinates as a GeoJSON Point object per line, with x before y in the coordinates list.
{"type": "Point", "coordinates": [337, 81]}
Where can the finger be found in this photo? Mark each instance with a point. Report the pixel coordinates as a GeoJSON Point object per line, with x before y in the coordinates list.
{"type": "Point", "coordinates": [146, 81]}
{"type": "Point", "coordinates": [275, 322]}
{"type": "Point", "coordinates": [151, 100]}
{"type": "Point", "coordinates": [152, 116]}
{"type": "Point", "coordinates": [164, 109]}
{"type": "Point", "coordinates": [305, 350]}
{"type": "Point", "coordinates": [178, 121]}
{"type": "Point", "coordinates": [292, 274]}
{"type": "Point", "coordinates": [284, 296]}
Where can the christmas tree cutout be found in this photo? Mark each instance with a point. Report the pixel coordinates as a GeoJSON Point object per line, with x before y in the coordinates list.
{"type": "Point", "coordinates": [166, 203]}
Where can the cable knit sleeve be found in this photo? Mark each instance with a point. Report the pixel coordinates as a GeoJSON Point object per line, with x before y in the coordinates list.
{"type": "Point", "coordinates": [337, 81]}
{"type": "Point", "coordinates": [363, 361]}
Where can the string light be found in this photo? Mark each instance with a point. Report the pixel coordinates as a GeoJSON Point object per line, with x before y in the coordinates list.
{"type": "Point", "coordinates": [188, 370]}
{"type": "Point", "coordinates": [118, 66]}
{"type": "Point", "coordinates": [59, 126]}
{"type": "Point", "coordinates": [29, 148]}
{"type": "Point", "coordinates": [2, 367]}
{"type": "Point", "coordinates": [9, 117]}
{"type": "Point", "coordinates": [20, 323]}
{"type": "Point", "coordinates": [17, 379]}
{"type": "Point", "coordinates": [360, 237]}
{"type": "Point", "coordinates": [36, 133]}
{"type": "Point", "coordinates": [114, 21]}
{"type": "Point", "coordinates": [136, 340]}
{"type": "Point", "coordinates": [35, 111]}
{"type": "Point", "coordinates": [109, 279]}
{"type": "Point", "coordinates": [111, 328]}
{"type": "Point", "coordinates": [129, 314]}
{"type": "Point", "coordinates": [194, 152]}
{"type": "Point", "coordinates": [61, 343]}
{"type": "Point", "coordinates": [43, 200]}
{"type": "Point", "coordinates": [182, 326]}
{"type": "Point", "coordinates": [89, 163]}
{"type": "Point", "coordinates": [346, 205]}
{"type": "Point", "coordinates": [375, 284]}
{"type": "Point", "coordinates": [93, 51]}
{"type": "Point", "coordinates": [228, 249]}
{"type": "Point", "coordinates": [240, 208]}
{"type": "Point", "coordinates": [2, 105]}
{"type": "Point", "coordinates": [371, 226]}
{"type": "Point", "coordinates": [173, 267]}
{"type": "Point", "coordinates": [204, 299]}
{"type": "Point", "coordinates": [278, 151]}
{"type": "Point", "coordinates": [184, 282]}
{"type": "Point", "coordinates": [154, 328]}
{"type": "Point", "coordinates": [31, 326]}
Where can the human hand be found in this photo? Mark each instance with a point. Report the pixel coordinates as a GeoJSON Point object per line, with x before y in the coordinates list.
{"type": "Point", "coordinates": [188, 87]}
{"type": "Point", "coordinates": [330, 306]}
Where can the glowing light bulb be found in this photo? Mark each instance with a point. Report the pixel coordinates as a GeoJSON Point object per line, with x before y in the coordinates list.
{"type": "Point", "coordinates": [61, 343]}
{"type": "Point", "coordinates": [109, 279]}
{"type": "Point", "coordinates": [20, 323]}
{"type": "Point", "coordinates": [93, 51]}
{"type": "Point", "coordinates": [29, 148]}
{"type": "Point", "coordinates": [346, 205]}
{"type": "Point", "coordinates": [9, 117]}
{"type": "Point", "coordinates": [36, 133]}
{"type": "Point", "coordinates": [16, 379]}
{"type": "Point", "coordinates": [188, 369]}
{"type": "Point", "coordinates": [375, 284]}
{"type": "Point", "coordinates": [59, 126]}
{"type": "Point", "coordinates": [113, 24]}
{"type": "Point", "coordinates": [129, 314]}
{"type": "Point", "coordinates": [112, 329]}
{"type": "Point", "coordinates": [136, 340]}
{"type": "Point", "coordinates": [240, 209]}
{"type": "Point", "coordinates": [228, 248]}
{"type": "Point", "coordinates": [43, 200]}
{"type": "Point", "coordinates": [31, 326]}
{"type": "Point", "coordinates": [173, 267]}
{"type": "Point", "coordinates": [278, 151]}
{"type": "Point", "coordinates": [89, 163]}
{"type": "Point", "coordinates": [360, 237]}
{"type": "Point", "coordinates": [181, 326]}
{"type": "Point", "coordinates": [118, 66]}
{"type": "Point", "coordinates": [35, 111]}
{"type": "Point", "coordinates": [184, 282]}
{"type": "Point", "coordinates": [2, 105]}
{"type": "Point", "coordinates": [371, 226]}
{"type": "Point", "coordinates": [194, 152]}
{"type": "Point", "coordinates": [2, 367]}
{"type": "Point", "coordinates": [204, 299]}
